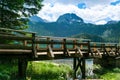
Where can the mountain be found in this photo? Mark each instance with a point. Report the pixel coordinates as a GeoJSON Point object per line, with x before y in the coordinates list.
{"type": "Point", "coordinates": [69, 25]}
{"type": "Point", "coordinates": [94, 38]}
{"type": "Point", "coordinates": [36, 19]}
{"type": "Point", "coordinates": [112, 22]}
{"type": "Point", "coordinates": [69, 18]}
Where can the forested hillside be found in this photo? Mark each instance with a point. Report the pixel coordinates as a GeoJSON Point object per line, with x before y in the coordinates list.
{"type": "Point", "coordinates": [69, 25]}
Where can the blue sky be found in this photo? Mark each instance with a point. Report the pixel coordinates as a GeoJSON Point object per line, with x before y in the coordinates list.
{"type": "Point", "coordinates": [93, 11]}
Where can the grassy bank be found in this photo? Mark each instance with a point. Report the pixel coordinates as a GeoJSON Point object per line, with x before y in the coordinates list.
{"type": "Point", "coordinates": [113, 74]}
{"type": "Point", "coordinates": [36, 71]}
{"type": "Point", "coordinates": [47, 71]}
{"type": "Point", "coordinates": [52, 71]}
{"type": "Point", "coordinates": [107, 73]}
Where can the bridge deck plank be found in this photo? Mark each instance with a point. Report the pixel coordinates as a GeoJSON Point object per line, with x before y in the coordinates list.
{"type": "Point", "coordinates": [15, 51]}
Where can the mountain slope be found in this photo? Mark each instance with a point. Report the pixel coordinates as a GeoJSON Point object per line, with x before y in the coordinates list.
{"type": "Point", "coordinates": [68, 25]}
{"type": "Point", "coordinates": [69, 18]}
{"type": "Point", "coordinates": [36, 19]}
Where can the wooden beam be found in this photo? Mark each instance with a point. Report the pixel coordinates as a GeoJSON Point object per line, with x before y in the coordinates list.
{"type": "Point", "coordinates": [15, 46]}
{"type": "Point", "coordinates": [68, 53]}
{"type": "Point", "coordinates": [74, 67]}
{"type": "Point", "coordinates": [94, 47]}
{"type": "Point", "coordinates": [34, 49]}
{"type": "Point", "coordinates": [9, 37]}
{"type": "Point", "coordinates": [15, 51]}
{"type": "Point", "coordinates": [64, 47]}
{"type": "Point", "coordinates": [111, 53]}
{"type": "Point", "coordinates": [74, 44]}
{"type": "Point", "coordinates": [50, 52]}
{"type": "Point", "coordinates": [21, 31]}
{"type": "Point", "coordinates": [89, 50]}
{"type": "Point", "coordinates": [99, 54]}
{"type": "Point", "coordinates": [22, 67]}
{"type": "Point", "coordinates": [83, 68]}
{"type": "Point", "coordinates": [79, 51]}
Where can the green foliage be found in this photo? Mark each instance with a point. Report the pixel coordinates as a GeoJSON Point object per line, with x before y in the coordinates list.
{"type": "Point", "coordinates": [35, 71]}
{"type": "Point", "coordinates": [13, 13]}
{"type": "Point", "coordinates": [106, 74]}
{"type": "Point", "coordinates": [111, 74]}
{"type": "Point", "coordinates": [47, 71]}
{"type": "Point", "coordinates": [7, 70]}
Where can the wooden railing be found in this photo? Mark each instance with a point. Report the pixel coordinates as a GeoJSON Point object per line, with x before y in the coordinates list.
{"type": "Point", "coordinates": [14, 42]}
{"type": "Point", "coordinates": [17, 42]}
{"type": "Point", "coordinates": [57, 48]}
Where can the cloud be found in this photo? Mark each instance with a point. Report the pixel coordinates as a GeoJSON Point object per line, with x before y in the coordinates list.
{"type": "Point", "coordinates": [52, 13]}
{"type": "Point", "coordinates": [101, 22]}
{"type": "Point", "coordinates": [75, 2]}
{"type": "Point", "coordinates": [94, 12]}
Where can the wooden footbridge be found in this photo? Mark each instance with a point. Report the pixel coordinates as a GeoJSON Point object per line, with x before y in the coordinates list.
{"type": "Point", "coordinates": [26, 46]}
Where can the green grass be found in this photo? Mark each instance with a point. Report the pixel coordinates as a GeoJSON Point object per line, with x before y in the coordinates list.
{"type": "Point", "coordinates": [107, 73]}
{"type": "Point", "coordinates": [47, 71]}
{"type": "Point", "coordinates": [7, 71]}
{"type": "Point", "coordinates": [113, 74]}
{"type": "Point", "coordinates": [51, 71]}
{"type": "Point", "coordinates": [36, 71]}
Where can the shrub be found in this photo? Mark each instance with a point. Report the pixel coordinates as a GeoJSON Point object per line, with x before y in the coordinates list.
{"type": "Point", "coordinates": [47, 71]}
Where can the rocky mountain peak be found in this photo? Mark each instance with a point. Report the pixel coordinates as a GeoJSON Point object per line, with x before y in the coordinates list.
{"type": "Point", "coordinates": [36, 19]}
{"type": "Point", "coordinates": [69, 18]}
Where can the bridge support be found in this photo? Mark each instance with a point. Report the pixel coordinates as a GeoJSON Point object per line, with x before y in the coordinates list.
{"type": "Point", "coordinates": [22, 66]}
{"type": "Point", "coordinates": [79, 63]}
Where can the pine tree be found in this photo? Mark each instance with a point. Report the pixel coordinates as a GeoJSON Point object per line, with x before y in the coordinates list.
{"type": "Point", "coordinates": [14, 13]}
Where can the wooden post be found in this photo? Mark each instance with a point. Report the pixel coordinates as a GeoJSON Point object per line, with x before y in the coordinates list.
{"type": "Point", "coordinates": [103, 47]}
{"type": "Point", "coordinates": [52, 44]}
{"type": "Point", "coordinates": [37, 45]}
{"type": "Point", "coordinates": [34, 50]}
{"type": "Point", "coordinates": [49, 48]}
{"type": "Point", "coordinates": [94, 47]}
{"type": "Point", "coordinates": [75, 42]}
{"type": "Point", "coordinates": [48, 40]}
{"type": "Point", "coordinates": [74, 67]}
{"type": "Point", "coordinates": [64, 46]}
{"type": "Point", "coordinates": [81, 64]}
{"type": "Point", "coordinates": [89, 50]}
{"type": "Point", "coordinates": [109, 49]}
{"type": "Point", "coordinates": [25, 43]}
{"type": "Point", "coordinates": [83, 68]}
{"type": "Point", "coordinates": [116, 49]}
{"type": "Point", "coordinates": [81, 46]}
{"type": "Point", "coordinates": [22, 66]}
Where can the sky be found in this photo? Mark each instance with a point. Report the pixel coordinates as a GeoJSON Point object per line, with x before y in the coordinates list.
{"type": "Point", "coordinates": [91, 11]}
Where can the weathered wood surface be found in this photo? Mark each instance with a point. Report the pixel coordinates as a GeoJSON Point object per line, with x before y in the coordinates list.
{"type": "Point", "coordinates": [52, 46]}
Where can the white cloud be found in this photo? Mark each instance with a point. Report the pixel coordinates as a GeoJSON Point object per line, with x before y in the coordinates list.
{"type": "Point", "coordinates": [99, 11]}
{"type": "Point", "coordinates": [74, 2]}
{"type": "Point", "coordinates": [52, 13]}
{"type": "Point", "coordinates": [101, 22]}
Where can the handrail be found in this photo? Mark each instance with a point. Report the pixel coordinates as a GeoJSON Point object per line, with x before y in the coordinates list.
{"type": "Point", "coordinates": [17, 30]}
{"type": "Point", "coordinates": [66, 45]}
{"type": "Point", "coordinates": [103, 43]}
{"type": "Point", "coordinates": [61, 38]}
